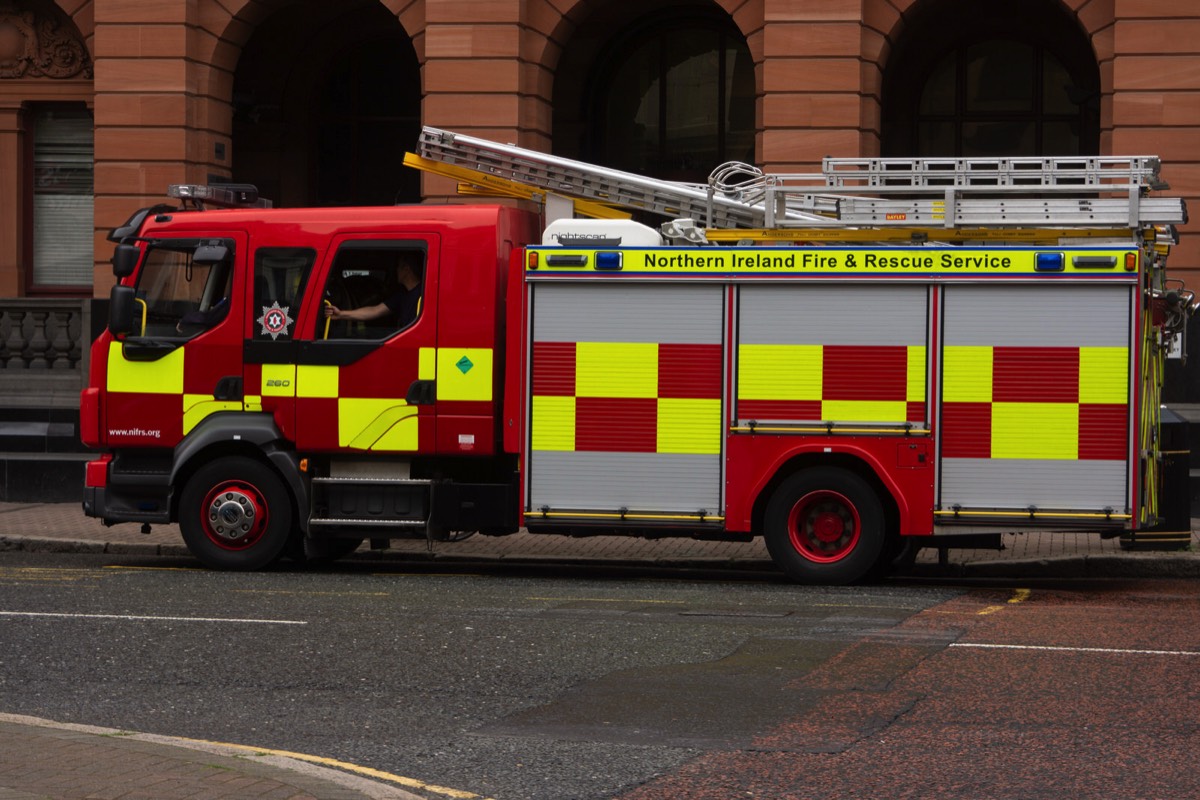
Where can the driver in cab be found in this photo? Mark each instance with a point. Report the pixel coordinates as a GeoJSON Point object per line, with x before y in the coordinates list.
{"type": "Point", "coordinates": [405, 303]}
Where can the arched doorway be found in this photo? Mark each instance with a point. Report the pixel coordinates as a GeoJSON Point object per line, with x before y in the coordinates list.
{"type": "Point", "coordinates": [327, 98]}
{"type": "Point", "coordinates": [1017, 78]}
{"type": "Point", "coordinates": [669, 93]}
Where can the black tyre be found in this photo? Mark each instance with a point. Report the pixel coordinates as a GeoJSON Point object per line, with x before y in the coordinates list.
{"type": "Point", "coordinates": [825, 526]}
{"type": "Point", "coordinates": [235, 514]}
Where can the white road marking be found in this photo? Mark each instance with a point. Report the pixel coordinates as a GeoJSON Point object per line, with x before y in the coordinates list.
{"type": "Point", "coordinates": [1077, 649]}
{"type": "Point", "coordinates": [137, 618]}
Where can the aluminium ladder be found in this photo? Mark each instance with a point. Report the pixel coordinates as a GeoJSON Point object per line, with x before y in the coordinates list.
{"type": "Point", "coordinates": [503, 164]}
{"type": "Point", "coordinates": [1102, 193]}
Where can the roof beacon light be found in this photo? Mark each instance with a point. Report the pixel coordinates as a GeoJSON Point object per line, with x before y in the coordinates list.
{"type": "Point", "coordinates": [231, 195]}
{"type": "Point", "coordinates": [1049, 262]}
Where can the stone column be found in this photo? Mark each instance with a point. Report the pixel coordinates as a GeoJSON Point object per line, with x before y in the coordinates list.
{"type": "Point", "coordinates": [144, 137]}
{"type": "Point", "coordinates": [12, 199]}
{"type": "Point", "coordinates": [472, 73]}
{"type": "Point", "coordinates": [812, 83]}
{"type": "Point", "coordinates": [1152, 53]}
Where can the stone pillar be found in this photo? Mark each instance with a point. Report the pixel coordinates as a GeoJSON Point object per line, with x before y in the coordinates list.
{"type": "Point", "coordinates": [472, 73]}
{"type": "Point", "coordinates": [812, 83]}
{"type": "Point", "coordinates": [12, 199]}
{"type": "Point", "coordinates": [144, 139]}
{"type": "Point", "coordinates": [1153, 58]}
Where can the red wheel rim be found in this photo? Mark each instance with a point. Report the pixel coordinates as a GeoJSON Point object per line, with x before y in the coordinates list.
{"type": "Point", "coordinates": [824, 526]}
{"type": "Point", "coordinates": [234, 515]}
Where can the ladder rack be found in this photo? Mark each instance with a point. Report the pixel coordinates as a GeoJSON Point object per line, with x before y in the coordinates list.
{"type": "Point", "coordinates": [1103, 194]}
{"type": "Point", "coordinates": [505, 163]}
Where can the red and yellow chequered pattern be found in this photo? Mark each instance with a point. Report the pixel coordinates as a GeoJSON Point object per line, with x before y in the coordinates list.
{"type": "Point", "coordinates": [632, 397]}
{"type": "Point", "coordinates": [836, 383]}
{"type": "Point", "coordinates": [1064, 403]}
{"type": "Point", "coordinates": [358, 406]}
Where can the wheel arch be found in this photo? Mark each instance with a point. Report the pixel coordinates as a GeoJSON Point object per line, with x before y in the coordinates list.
{"type": "Point", "coordinates": [895, 508]}
{"type": "Point", "coordinates": [252, 436]}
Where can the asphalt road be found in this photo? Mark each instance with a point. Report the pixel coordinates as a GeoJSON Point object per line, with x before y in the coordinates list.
{"type": "Point", "coordinates": [559, 683]}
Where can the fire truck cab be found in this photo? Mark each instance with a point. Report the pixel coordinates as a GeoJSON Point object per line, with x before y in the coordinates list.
{"type": "Point", "coordinates": [226, 397]}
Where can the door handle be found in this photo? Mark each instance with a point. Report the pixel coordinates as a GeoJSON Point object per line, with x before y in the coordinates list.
{"type": "Point", "coordinates": [421, 393]}
{"type": "Point", "coordinates": [228, 388]}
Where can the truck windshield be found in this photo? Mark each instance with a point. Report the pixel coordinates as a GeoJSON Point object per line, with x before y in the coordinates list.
{"type": "Point", "coordinates": [182, 298]}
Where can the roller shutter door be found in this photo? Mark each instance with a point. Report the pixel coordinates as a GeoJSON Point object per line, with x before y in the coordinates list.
{"type": "Point", "coordinates": [832, 354]}
{"type": "Point", "coordinates": [626, 413]}
{"type": "Point", "coordinates": [1035, 398]}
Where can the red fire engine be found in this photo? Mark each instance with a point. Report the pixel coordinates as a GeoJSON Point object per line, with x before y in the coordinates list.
{"type": "Point", "coordinates": [892, 353]}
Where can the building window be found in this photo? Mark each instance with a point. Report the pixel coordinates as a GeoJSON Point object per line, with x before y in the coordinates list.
{"type": "Point", "coordinates": [996, 98]}
{"type": "Point", "coordinates": [672, 97]}
{"type": "Point", "coordinates": [63, 229]}
{"type": "Point", "coordinates": [1018, 78]}
{"type": "Point", "coordinates": [369, 116]}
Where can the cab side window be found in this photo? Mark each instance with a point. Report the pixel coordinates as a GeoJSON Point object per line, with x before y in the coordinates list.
{"type": "Point", "coordinates": [181, 297]}
{"type": "Point", "coordinates": [374, 290]}
{"type": "Point", "coordinates": [280, 277]}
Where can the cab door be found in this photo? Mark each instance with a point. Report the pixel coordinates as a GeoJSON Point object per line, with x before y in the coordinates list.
{"type": "Point", "coordinates": [184, 361]}
{"type": "Point", "coordinates": [281, 280]}
{"type": "Point", "coordinates": [365, 374]}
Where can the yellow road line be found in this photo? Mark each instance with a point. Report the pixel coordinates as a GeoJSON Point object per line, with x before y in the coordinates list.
{"type": "Point", "coordinates": [1018, 596]}
{"type": "Point", "coordinates": [156, 569]}
{"type": "Point", "coordinates": [606, 600]}
{"type": "Point", "coordinates": [411, 783]}
{"type": "Point", "coordinates": [312, 594]}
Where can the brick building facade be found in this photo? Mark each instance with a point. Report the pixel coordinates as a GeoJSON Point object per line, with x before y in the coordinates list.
{"type": "Point", "coordinates": [315, 100]}
{"type": "Point", "coordinates": [104, 103]}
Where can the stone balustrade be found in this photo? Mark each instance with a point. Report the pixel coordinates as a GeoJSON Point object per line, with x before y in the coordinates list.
{"type": "Point", "coordinates": [44, 346]}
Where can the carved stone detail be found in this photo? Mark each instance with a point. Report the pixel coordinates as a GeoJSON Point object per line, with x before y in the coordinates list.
{"type": "Point", "coordinates": [40, 43]}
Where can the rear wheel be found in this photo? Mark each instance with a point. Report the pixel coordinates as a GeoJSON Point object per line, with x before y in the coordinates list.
{"type": "Point", "coordinates": [235, 513]}
{"type": "Point", "coordinates": [825, 526]}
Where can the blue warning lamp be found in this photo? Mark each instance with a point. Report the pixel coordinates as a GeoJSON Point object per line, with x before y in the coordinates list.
{"type": "Point", "coordinates": [1050, 262]}
{"type": "Point", "coordinates": [608, 260]}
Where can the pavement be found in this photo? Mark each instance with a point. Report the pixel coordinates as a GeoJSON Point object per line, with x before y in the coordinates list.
{"type": "Point", "coordinates": [46, 759]}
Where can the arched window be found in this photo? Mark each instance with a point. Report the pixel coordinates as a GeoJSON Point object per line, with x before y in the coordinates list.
{"type": "Point", "coordinates": [370, 114]}
{"type": "Point", "coordinates": [326, 99]}
{"type": "Point", "coordinates": [671, 97]}
{"type": "Point", "coordinates": [1021, 82]}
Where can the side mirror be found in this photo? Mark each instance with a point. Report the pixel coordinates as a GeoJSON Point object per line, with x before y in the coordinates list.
{"type": "Point", "coordinates": [213, 253]}
{"type": "Point", "coordinates": [125, 259]}
{"type": "Point", "coordinates": [123, 315]}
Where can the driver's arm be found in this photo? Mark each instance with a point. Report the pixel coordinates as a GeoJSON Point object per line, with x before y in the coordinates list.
{"type": "Point", "coordinates": [363, 314]}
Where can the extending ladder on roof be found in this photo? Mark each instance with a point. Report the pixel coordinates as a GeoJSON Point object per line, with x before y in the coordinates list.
{"type": "Point", "coordinates": [506, 168]}
{"type": "Point", "coordinates": [945, 198]}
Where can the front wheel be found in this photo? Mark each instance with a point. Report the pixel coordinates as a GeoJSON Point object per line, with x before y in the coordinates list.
{"type": "Point", "coordinates": [825, 526]}
{"type": "Point", "coordinates": [235, 513]}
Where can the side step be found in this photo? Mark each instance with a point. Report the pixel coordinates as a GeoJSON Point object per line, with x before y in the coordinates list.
{"type": "Point", "coordinates": [366, 505]}
{"type": "Point", "coordinates": [368, 502]}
